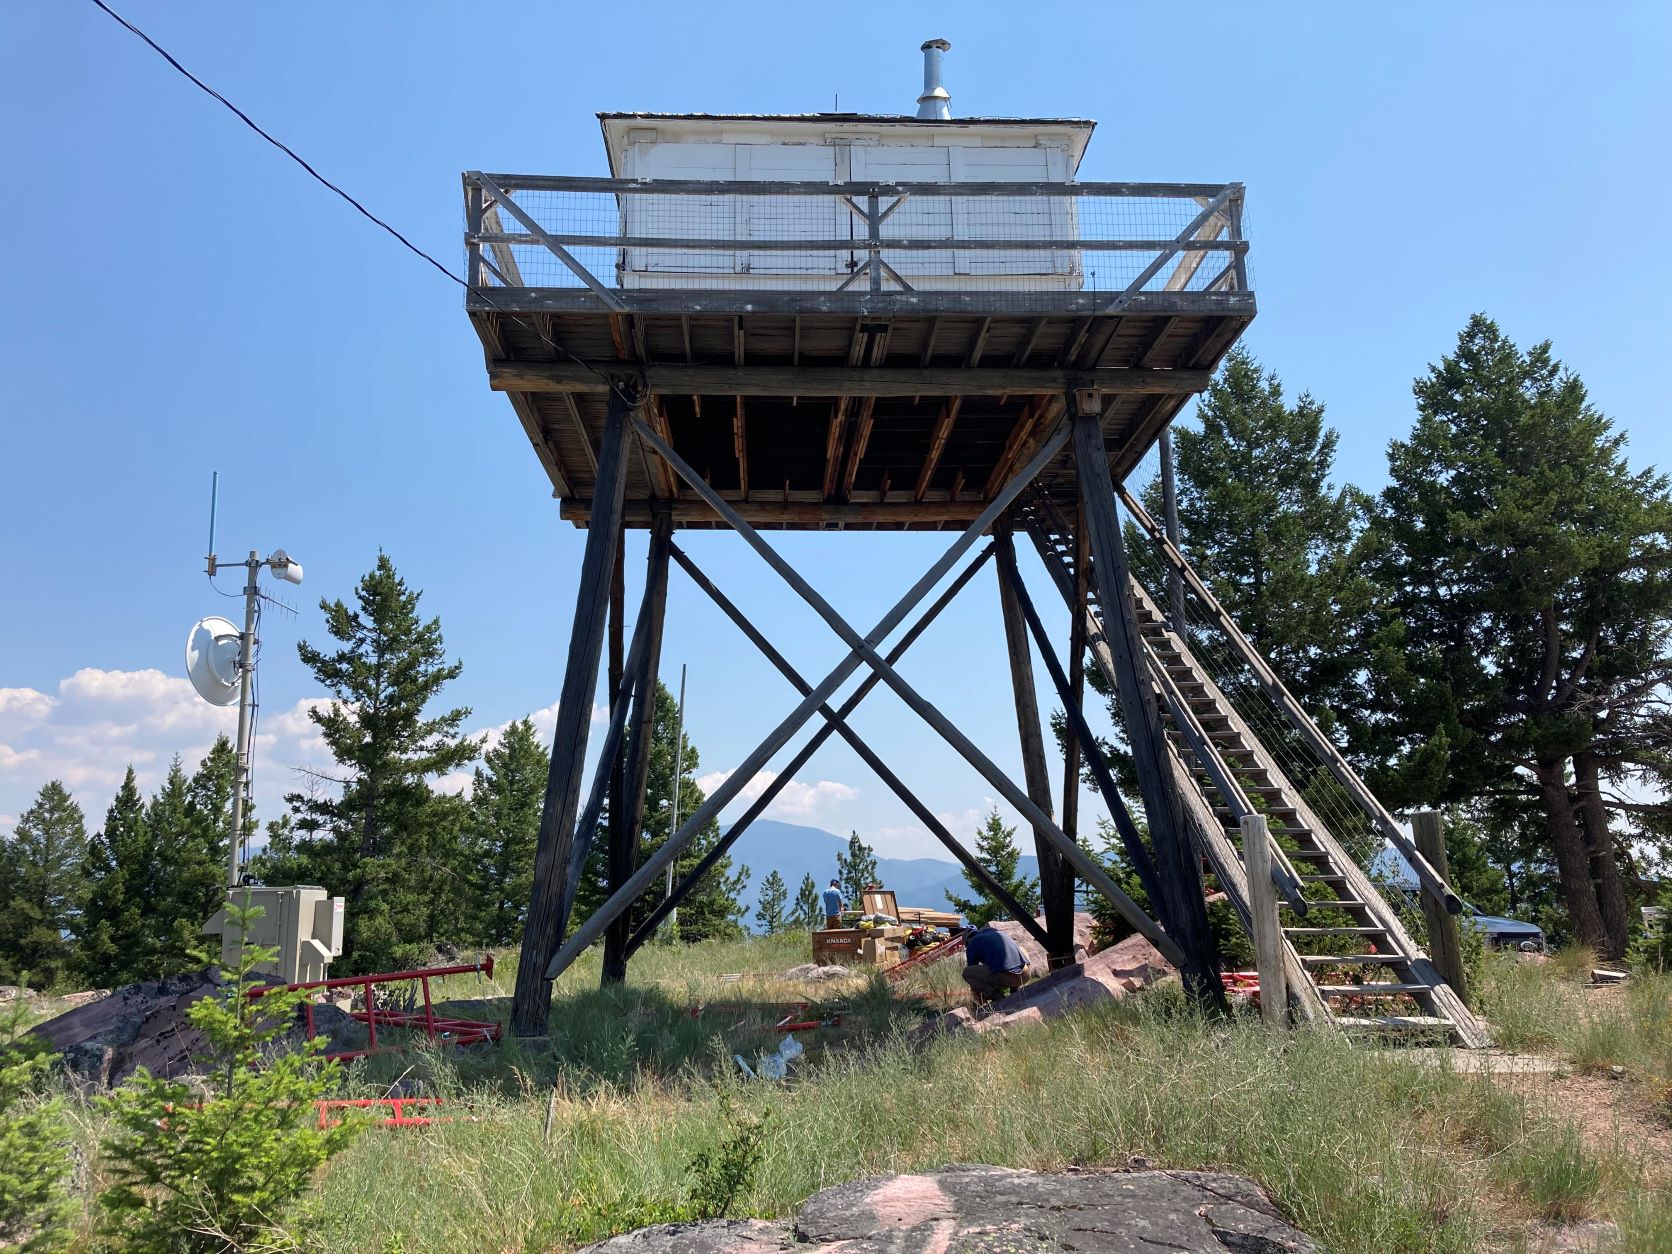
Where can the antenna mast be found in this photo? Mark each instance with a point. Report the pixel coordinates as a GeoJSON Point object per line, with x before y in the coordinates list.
{"type": "Point", "coordinates": [213, 688]}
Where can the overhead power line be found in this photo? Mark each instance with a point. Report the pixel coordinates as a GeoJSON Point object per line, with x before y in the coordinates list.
{"type": "Point", "coordinates": [358, 207]}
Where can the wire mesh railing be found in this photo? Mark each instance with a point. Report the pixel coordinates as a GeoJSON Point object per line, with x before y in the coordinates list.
{"type": "Point", "coordinates": [615, 236]}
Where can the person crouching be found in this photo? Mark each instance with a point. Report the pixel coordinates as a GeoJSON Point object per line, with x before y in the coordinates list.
{"type": "Point", "coordinates": [994, 964]}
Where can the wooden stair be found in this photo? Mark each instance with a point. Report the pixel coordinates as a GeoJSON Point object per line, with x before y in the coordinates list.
{"type": "Point", "coordinates": [1223, 771]}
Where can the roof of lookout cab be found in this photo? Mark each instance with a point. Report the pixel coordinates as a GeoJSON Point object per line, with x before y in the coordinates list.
{"type": "Point", "coordinates": [614, 125]}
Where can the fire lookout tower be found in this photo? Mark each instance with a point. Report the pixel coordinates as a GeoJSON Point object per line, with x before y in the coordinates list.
{"type": "Point", "coordinates": [843, 322]}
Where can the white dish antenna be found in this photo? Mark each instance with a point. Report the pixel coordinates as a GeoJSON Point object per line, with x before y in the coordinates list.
{"type": "Point", "coordinates": [212, 660]}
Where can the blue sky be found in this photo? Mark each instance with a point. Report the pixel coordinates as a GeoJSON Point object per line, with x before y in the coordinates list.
{"type": "Point", "coordinates": [177, 298]}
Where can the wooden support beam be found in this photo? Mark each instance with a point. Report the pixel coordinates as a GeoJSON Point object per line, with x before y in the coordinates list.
{"type": "Point", "coordinates": [689, 511]}
{"type": "Point", "coordinates": [837, 722]}
{"type": "Point", "coordinates": [609, 755]}
{"type": "Point", "coordinates": [1056, 877]}
{"type": "Point", "coordinates": [1075, 697]}
{"type": "Point", "coordinates": [1178, 867]}
{"type": "Point", "coordinates": [864, 647]}
{"type": "Point", "coordinates": [627, 822]}
{"type": "Point", "coordinates": [740, 448]}
{"type": "Point", "coordinates": [869, 381]}
{"type": "Point", "coordinates": [1080, 732]}
{"type": "Point", "coordinates": [531, 1003]}
{"type": "Point", "coordinates": [1262, 907]}
{"type": "Point", "coordinates": [858, 655]}
{"type": "Point", "coordinates": [857, 446]}
{"type": "Point", "coordinates": [937, 445]}
{"type": "Point", "coordinates": [1445, 941]}
{"type": "Point", "coordinates": [647, 929]}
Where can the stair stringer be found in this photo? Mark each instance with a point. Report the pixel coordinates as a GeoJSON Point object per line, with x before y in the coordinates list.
{"type": "Point", "coordinates": [1468, 1029]}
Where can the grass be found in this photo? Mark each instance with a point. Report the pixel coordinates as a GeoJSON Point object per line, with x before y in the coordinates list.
{"type": "Point", "coordinates": [1366, 1151]}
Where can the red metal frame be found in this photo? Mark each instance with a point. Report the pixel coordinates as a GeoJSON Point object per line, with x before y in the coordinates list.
{"type": "Point", "coordinates": [397, 1117]}
{"type": "Point", "coordinates": [923, 957]}
{"type": "Point", "coordinates": [454, 1031]}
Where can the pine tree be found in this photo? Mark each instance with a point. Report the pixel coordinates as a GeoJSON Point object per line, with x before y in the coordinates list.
{"type": "Point", "coordinates": [1264, 526]}
{"type": "Point", "coordinates": [807, 913]}
{"type": "Point", "coordinates": [1522, 568]}
{"type": "Point", "coordinates": [200, 879]}
{"type": "Point", "coordinates": [503, 826]}
{"type": "Point", "coordinates": [996, 849]}
{"type": "Point", "coordinates": [40, 880]}
{"type": "Point", "coordinates": [769, 911]}
{"type": "Point", "coordinates": [857, 869]}
{"type": "Point", "coordinates": [381, 840]}
{"type": "Point", "coordinates": [170, 826]}
{"type": "Point", "coordinates": [714, 907]}
{"type": "Point", "coordinates": [115, 940]}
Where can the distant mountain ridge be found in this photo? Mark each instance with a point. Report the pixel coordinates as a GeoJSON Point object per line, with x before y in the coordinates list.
{"type": "Point", "coordinates": [794, 850]}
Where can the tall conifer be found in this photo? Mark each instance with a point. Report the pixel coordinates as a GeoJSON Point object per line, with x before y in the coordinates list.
{"type": "Point", "coordinates": [40, 879]}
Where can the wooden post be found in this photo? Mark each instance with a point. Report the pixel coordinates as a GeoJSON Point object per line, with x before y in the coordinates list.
{"type": "Point", "coordinates": [620, 689]}
{"type": "Point", "coordinates": [1262, 906]}
{"type": "Point", "coordinates": [531, 1002]}
{"type": "Point", "coordinates": [1445, 941]}
{"type": "Point", "coordinates": [1180, 869]}
{"type": "Point", "coordinates": [1056, 877]}
{"type": "Point", "coordinates": [626, 822]}
{"type": "Point", "coordinates": [1075, 698]}
{"type": "Point", "coordinates": [1170, 512]}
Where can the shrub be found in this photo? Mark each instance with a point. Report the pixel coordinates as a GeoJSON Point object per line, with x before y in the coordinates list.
{"type": "Point", "coordinates": [195, 1171]}
{"type": "Point", "coordinates": [34, 1142]}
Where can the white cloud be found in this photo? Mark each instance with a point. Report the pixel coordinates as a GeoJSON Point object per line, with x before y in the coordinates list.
{"type": "Point", "coordinates": [795, 800]}
{"type": "Point", "coordinates": [23, 708]}
{"type": "Point", "coordinates": [11, 759]}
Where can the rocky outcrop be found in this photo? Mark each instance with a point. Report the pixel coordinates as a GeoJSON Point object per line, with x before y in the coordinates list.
{"type": "Point", "coordinates": [103, 1041]}
{"type": "Point", "coordinates": [995, 1210]}
{"type": "Point", "coordinates": [1110, 975]}
{"type": "Point", "coordinates": [1034, 952]}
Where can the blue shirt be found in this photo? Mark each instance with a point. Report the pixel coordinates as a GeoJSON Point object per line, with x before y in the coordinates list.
{"type": "Point", "coordinates": [993, 950]}
{"type": "Point", "coordinates": [832, 901]}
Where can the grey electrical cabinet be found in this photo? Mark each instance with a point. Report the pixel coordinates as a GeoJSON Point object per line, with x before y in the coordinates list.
{"type": "Point", "coordinates": [302, 921]}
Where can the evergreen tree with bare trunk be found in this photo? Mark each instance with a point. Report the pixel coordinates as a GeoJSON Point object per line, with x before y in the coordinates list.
{"type": "Point", "coordinates": [1521, 644]}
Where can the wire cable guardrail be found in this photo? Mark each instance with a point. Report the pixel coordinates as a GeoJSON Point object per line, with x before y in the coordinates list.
{"type": "Point", "coordinates": [1313, 781]}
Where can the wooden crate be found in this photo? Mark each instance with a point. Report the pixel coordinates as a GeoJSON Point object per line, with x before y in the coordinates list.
{"type": "Point", "coordinates": [837, 944]}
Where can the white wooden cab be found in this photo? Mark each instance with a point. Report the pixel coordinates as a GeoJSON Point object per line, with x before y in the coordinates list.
{"type": "Point", "coordinates": [846, 149]}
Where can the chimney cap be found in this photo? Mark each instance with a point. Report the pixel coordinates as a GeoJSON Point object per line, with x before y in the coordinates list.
{"type": "Point", "coordinates": [942, 44]}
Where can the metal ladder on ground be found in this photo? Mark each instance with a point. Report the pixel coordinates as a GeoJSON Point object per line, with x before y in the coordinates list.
{"type": "Point", "coordinates": [1222, 771]}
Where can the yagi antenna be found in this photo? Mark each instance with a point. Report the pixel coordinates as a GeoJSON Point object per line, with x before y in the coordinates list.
{"type": "Point", "coordinates": [220, 661]}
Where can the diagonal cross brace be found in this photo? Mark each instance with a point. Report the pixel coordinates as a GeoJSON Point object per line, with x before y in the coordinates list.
{"type": "Point", "coordinates": [837, 722]}
{"type": "Point", "coordinates": [759, 805]}
{"type": "Point", "coordinates": [1167, 254]}
{"type": "Point", "coordinates": [722, 796]}
{"type": "Point", "coordinates": [586, 276]}
{"type": "Point", "coordinates": [864, 649]}
{"type": "Point", "coordinates": [613, 737]}
{"type": "Point", "coordinates": [1081, 730]}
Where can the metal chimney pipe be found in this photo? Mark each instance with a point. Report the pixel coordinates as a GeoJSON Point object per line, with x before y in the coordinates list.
{"type": "Point", "coordinates": [935, 104]}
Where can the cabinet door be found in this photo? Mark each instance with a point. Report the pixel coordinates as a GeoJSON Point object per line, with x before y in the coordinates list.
{"type": "Point", "coordinates": [684, 217]}
{"type": "Point", "coordinates": [1008, 217]}
{"type": "Point", "coordinates": [791, 217]}
{"type": "Point", "coordinates": [921, 217]}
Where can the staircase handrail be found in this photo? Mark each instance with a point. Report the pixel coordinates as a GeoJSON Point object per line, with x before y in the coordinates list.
{"type": "Point", "coordinates": [1296, 714]}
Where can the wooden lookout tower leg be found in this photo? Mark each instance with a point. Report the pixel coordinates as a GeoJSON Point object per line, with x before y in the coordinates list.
{"type": "Point", "coordinates": [1056, 877]}
{"type": "Point", "coordinates": [626, 823]}
{"type": "Point", "coordinates": [531, 1003]}
{"type": "Point", "coordinates": [1182, 910]}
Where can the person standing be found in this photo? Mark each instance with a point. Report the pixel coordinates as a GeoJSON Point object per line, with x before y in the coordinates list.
{"type": "Point", "coordinates": [833, 905]}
